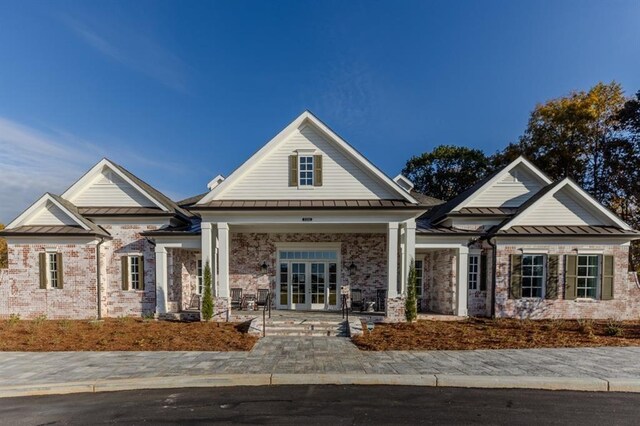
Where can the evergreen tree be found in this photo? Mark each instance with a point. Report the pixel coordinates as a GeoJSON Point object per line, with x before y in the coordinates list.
{"type": "Point", "coordinates": [411, 302]}
{"type": "Point", "coordinates": [207, 297]}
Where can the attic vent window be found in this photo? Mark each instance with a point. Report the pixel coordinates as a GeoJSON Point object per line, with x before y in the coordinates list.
{"type": "Point", "coordinates": [305, 170]}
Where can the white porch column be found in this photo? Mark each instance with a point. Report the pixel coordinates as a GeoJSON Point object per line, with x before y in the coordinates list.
{"type": "Point", "coordinates": [207, 245]}
{"type": "Point", "coordinates": [392, 260]}
{"type": "Point", "coordinates": [223, 259]}
{"type": "Point", "coordinates": [409, 243]}
{"type": "Point", "coordinates": [463, 273]}
{"type": "Point", "coordinates": [161, 279]}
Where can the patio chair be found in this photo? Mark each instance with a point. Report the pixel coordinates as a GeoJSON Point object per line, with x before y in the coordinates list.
{"type": "Point", "coordinates": [381, 300]}
{"type": "Point", "coordinates": [236, 298]}
{"type": "Point", "coordinates": [194, 303]}
{"type": "Point", "coordinates": [263, 293]}
{"type": "Point", "coordinates": [356, 300]}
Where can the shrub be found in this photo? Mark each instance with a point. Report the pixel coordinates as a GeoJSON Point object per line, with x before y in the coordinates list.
{"type": "Point", "coordinates": [207, 297]}
{"type": "Point", "coordinates": [613, 328]}
{"type": "Point", "coordinates": [411, 302]}
{"type": "Point", "coordinates": [148, 316]}
{"type": "Point", "coordinates": [585, 326]}
{"type": "Point", "coordinates": [14, 319]}
{"type": "Point", "coordinates": [39, 319]}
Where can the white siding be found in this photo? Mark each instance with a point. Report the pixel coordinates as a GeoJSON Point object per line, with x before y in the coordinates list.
{"type": "Point", "coordinates": [50, 214]}
{"type": "Point", "coordinates": [563, 208]}
{"type": "Point", "coordinates": [342, 179]}
{"type": "Point", "coordinates": [110, 190]}
{"type": "Point", "coordinates": [512, 190]}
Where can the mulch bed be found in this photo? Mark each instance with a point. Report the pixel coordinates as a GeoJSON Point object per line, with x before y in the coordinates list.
{"type": "Point", "coordinates": [122, 334]}
{"type": "Point", "coordinates": [477, 333]}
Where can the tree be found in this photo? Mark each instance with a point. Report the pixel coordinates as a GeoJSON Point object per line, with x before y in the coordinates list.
{"type": "Point", "coordinates": [4, 261]}
{"type": "Point", "coordinates": [447, 170]}
{"type": "Point", "coordinates": [570, 137]}
{"type": "Point", "coordinates": [411, 301]}
{"type": "Point", "coordinates": [207, 297]}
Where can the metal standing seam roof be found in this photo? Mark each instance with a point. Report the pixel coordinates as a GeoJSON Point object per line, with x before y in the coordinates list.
{"type": "Point", "coordinates": [122, 211]}
{"type": "Point", "coordinates": [568, 230]}
{"type": "Point", "coordinates": [484, 211]}
{"type": "Point", "coordinates": [51, 230]}
{"type": "Point", "coordinates": [303, 204]}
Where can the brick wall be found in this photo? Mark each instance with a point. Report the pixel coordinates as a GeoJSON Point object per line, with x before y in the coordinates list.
{"type": "Point", "coordinates": [625, 304]}
{"type": "Point", "coordinates": [127, 240]}
{"type": "Point", "coordinates": [440, 281]}
{"type": "Point", "coordinates": [20, 291]}
{"type": "Point", "coordinates": [366, 251]}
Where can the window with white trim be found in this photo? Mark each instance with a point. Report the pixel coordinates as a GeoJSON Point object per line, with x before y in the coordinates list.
{"type": "Point", "coordinates": [135, 276]}
{"type": "Point", "coordinates": [588, 273]}
{"type": "Point", "coordinates": [419, 278]}
{"type": "Point", "coordinates": [52, 269]}
{"type": "Point", "coordinates": [533, 275]}
{"type": "Point", "coordinates": [474, 272]}
{"type": "Point", "coordinates": [200, 285]}
{"type": "Point", "coordinates": [305, 170]}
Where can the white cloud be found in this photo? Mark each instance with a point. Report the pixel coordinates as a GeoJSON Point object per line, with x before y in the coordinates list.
{"type": "Point", "coordinates": [33, 162]}
{"type": "Point", "coordinates": [134, 50]}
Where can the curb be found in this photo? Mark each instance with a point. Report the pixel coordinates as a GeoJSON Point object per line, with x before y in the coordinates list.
{"type": "Point", "coordinates": [589, 384]}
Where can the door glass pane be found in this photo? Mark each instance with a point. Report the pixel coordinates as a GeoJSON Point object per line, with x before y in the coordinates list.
{"type": "Point", "coordinates": [333, 284]}
{"type": "Point", "coordinates": [298, 282]}
{"type": "Point", "coordinates": [318, 280]}
{"type": "Point", "coordinates": [284, 284]}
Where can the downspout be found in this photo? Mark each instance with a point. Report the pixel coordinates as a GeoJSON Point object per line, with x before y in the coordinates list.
{"type": "Point", "coordinates": [494, 264]}
{"type": "Point", "coordinates": [98, 277]}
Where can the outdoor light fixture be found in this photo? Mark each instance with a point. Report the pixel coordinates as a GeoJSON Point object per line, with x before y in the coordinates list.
{"type": "Point", "coordinates": [352, 268]}
{"type": "Point", "coordinates": [264, 267]}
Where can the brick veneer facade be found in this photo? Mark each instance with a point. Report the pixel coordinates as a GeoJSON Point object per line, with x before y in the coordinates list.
{"type": "Point", "coordinates": [183, 278]}
{"type": "Point", "coordinates": [20, 292]}
{"type": "Point", "coordinates": [625, 303]}
{"type": "Point", "coordinates": [366, 251]}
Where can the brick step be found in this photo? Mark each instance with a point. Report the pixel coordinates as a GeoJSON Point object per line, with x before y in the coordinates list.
{"type": "Point", "coordinates": [307, 328]}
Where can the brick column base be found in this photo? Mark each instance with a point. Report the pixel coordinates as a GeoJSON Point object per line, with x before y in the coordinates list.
{"type": "Point", "coordinates": [395, 310]}
{"type": "Point", "coordinates": [222, 309]}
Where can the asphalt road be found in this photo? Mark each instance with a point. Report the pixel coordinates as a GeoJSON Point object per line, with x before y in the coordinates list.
{"type": "Point", "coordinates": [326, 405]}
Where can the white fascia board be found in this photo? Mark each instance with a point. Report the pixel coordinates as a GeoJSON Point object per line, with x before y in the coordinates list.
{"type": "Point", "coordinates": [283, 135]}
{"type": "Point", "coordinates": [568, 241]}
{"type": "Point", "coordinates": [50, 241]}
{"type": "Point", "coordinates": [498, 176]}
{"type": "Point", "coordinates": [88, 177]}
{"type": "Point", "coordinates": [41, 203]}
{"type": "Point", "coordinates": [584, 195]}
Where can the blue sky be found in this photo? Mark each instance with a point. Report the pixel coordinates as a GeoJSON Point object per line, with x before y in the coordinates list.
{"type": "Point", "coordinates": [179, 92]}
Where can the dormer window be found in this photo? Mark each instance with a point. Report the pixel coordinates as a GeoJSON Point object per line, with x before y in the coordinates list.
{"type": "Point", "coordinates": [305, 170]}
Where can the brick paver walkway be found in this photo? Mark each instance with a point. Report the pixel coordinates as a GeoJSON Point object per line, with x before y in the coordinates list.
{"type": "Point", "coordinates": [315, 355]}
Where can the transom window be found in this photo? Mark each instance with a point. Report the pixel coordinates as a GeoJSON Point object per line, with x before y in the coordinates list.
{"type": "Point", "coordinates": [305, 170]}
{"type": "Point", "coordinates": [588, 273]}
{"type": "Point", "coordinates": [52, 264]}
{"type": "Point", "coordinates": [419, 278]}
{"type": "Point", "coordinates": [474, 271]}
{"type": "Point", "coordinates": [134, 271]}
{"type": "Point", "coordinates": [309, 255]}
{"type": "Point", "coordinates": [532, 275]}
{"type": "Point", "coordinates": [200, 286]}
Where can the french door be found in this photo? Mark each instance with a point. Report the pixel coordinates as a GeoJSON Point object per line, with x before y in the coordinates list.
{"type": "Point", "coordinates": [308, 285]}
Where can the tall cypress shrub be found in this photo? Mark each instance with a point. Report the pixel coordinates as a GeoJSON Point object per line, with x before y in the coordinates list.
{"type": "Point", "coordinates": [207, 297]}
{"type": "Point", "coordinates": [411, 301]}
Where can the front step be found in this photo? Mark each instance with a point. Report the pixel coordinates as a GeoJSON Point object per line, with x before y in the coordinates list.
{"type": "Point", "coordinates": [302, 328]}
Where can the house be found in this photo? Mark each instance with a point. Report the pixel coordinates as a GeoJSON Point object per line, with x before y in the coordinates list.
{"type": "Point", "coordinates": [304, 217]}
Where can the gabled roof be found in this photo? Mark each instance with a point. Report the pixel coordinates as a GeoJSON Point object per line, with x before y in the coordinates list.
{"type": "Point", "coordinates": [552, 189]}
{"type": "Point", "coordinates": [308, 118]}
{"type": "Point", "coordinates": [82, 224]}
{"type": "Point", "coordinates": [459, 202]}
{"type": "Point", "coordinates": [156, 197]}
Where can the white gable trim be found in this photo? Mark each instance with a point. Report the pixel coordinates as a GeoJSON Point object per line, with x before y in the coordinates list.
{"type": "Point", "coordinates": [584, 197]}
{"type": "Point", "coordinates": [88, 177]}
{"type": "Point", "coordinates": [41, 203]}
{"type": "Point", "coordinates": [304, 119]}
{"type": "Point", "coordinates": [520, 160]}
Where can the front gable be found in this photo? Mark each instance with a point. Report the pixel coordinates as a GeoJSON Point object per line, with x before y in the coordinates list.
{"type": "Point", "coordinates": [106, 186]}
{"type": "Point", "coordinates": [346, 175]}
{"type": "Point", "coordinates": [48, 211]}
{"type": "Point", "coordinates": [510, 188]}
{"type": "Point", "coordinates": [566, 204]}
